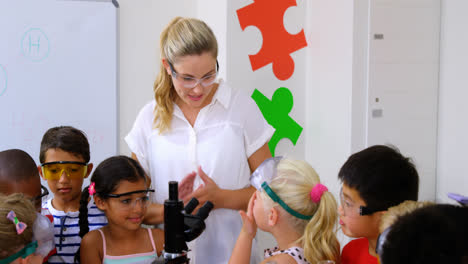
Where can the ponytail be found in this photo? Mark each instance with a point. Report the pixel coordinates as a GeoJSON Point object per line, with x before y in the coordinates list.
{"type": "Point", "coordinates": [319, 239]}
{"type": "Point", "coordinates": [294, 182]}
{"type": "Point", "coordinates": [83, 219]}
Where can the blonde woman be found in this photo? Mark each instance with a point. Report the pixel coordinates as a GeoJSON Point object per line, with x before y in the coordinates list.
{"type": "Point", "coordinates": [201, 132]}
{"type": "Point", "coordinates": [296, 209]}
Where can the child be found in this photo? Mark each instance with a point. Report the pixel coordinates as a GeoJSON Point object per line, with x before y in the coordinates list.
{"type": "Point", "coordinates": [64, 157]}
{"type": "Point", "coordinates": [18, 174]}
{"type": "Point", "coordinates": [292, 205]}
{"type": "Point", "coordinates": [120, 190]}
{"type": "Point", "coordinates": [434, 234]}
{"type": "Point", "coordinates": [374, 179]}
{"type": "Point", "coordinates": [25, 235]}
{"type": "Point", "coordinates": [395, 212]}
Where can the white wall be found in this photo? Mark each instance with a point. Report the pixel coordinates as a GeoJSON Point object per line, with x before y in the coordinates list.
{"type": "Point", "coordinates": [329, 94]}
{"type": "Point", "coordinates": [452, 174]}
{"type": "Point", "coordinates": [141, 23]}
{"type": "Point", "coordinates": [329, 87]}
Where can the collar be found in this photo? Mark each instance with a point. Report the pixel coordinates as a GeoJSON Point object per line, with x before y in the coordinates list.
{"type": "Point", "coordinates": [223, 94]}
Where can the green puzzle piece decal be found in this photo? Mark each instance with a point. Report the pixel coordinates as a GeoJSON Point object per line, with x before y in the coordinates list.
{"type": "Point", "coordinates": [276, 113]}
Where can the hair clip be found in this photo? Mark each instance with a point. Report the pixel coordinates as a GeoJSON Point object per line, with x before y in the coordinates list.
{"type": "Point", "coordinates": [92, 188]}
{"type": "Point", "coordinates": [317, 192]}
{"type": "Point", "coordinates": [20, 226]}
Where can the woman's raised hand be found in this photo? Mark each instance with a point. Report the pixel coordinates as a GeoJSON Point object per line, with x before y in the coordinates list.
{"type": "Point", "coordinates": [186, 186]}
{"type": "Point", "coordinates": [208, 191]}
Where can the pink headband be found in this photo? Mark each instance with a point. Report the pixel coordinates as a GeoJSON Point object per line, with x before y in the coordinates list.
{"type": "Point", "coordinates": [91, 188]}
{"type": "Point", "coordinates": [317, 192]}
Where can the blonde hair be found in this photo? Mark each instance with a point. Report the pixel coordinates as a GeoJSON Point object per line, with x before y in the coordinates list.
{"type": "Point", "coordinates": [395, 212]}
{"type": "Point", "coordinates": [293, 184]}
{"type": "Point", "coordinates": [10, 240]}
{"type": "Point", "coordinates": [181, 37]}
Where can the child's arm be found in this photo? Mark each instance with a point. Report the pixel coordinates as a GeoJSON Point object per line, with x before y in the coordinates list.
{"type": "Point", "coordinates": [158, 237]}
{"type": "Point", "coordinates": [91, 248]}
{"type": "Point", "coordinates": [243, 247]}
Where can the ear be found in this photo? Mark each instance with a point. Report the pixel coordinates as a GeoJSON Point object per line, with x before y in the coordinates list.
{"type": "Point", "coordinates": [39, 169]}
{"type": "Point", "coordinates": [100, 203]}
{"type": "Point", "coordinates": [273, 216]}
{"type": "Point", "coordinates": [166, 65]}
{"type": "Point", "coordinates": [88, 171]}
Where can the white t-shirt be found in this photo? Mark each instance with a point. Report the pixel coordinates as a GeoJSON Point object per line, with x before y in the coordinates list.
{"type": "Point", "coordinates": [225, 134]}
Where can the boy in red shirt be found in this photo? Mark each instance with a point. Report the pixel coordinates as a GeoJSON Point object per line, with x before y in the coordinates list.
{"type": "Point", "coordinates": [373, 179]}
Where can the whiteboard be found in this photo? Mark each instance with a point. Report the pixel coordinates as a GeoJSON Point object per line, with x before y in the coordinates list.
{"type": "Point", "coordinates": [59, 66]}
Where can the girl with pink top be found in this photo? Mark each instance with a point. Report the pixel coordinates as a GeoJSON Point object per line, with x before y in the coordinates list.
{"type": "Point", "coordinates": [119, 188]}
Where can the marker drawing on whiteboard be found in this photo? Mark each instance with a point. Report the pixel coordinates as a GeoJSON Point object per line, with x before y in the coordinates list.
{"type": "Point", "coordinates": [35, 45]}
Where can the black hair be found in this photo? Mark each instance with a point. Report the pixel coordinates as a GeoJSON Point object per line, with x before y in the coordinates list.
{"type": "Point", "coordinates": [17, 165]}
{"type": "Point", "coordinates": [106, 177]}
{"type": "Point", "coordinates": [432, 235]}
{"type": "Point", "coordinates": [382, 176]}
{"type": "Point", "coordinates": [66, 138]}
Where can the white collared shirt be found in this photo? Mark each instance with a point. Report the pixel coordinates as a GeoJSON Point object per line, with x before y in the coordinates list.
{"type": "Point", "coordinates": [225, 134]}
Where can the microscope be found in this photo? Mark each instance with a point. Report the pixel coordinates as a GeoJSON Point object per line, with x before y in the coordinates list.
{"type": "Point", "coordinates": [180, 226]}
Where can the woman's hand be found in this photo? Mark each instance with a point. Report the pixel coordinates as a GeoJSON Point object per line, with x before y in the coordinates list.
{"type": "Point", "coordinates": [208, 191]}
{"type": "Point", "coordinates": [186, 185]}
{"type": "Point", "coordinates": [249, 226]}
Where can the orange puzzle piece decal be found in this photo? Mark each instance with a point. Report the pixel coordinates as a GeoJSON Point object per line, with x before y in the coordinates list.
{"type": "Point", "coordinates": [278, 44]}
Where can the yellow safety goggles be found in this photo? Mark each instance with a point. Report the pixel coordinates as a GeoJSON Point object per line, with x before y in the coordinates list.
{"type": "Point", "coordinates": [73, 170]}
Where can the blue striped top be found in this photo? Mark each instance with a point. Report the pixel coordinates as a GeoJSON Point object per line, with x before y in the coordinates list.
{"type": "Point", "coordinates": [66, 230]}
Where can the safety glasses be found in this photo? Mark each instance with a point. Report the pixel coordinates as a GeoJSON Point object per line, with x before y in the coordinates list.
{"type": "Point", "coordinates": [37, 201]}
{"type": "Point", "coordinates": [353, 210]}
{"type": "Point", "coordinates": [263, 176]}
{"type": "Point", "coordinates": [191, 82]}
{"type": "Point", "coordinates": [127, 201]}
{"type": "Point", "coordinates": [73, 170]}
{"type": "Point", "coordinates": [266, 172]}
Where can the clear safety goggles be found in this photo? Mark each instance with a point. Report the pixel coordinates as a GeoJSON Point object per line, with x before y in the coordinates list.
{"type": "Point", "coordinates": [191, 82]}
{"type": "Point", "coordinates": [73, 170]}
{"type": "Point", "coordinates": [353, 210]}
{"type": "Point", "coordinates": [127, 201]}
{"type": "Point", "coordinates": [263, 176]}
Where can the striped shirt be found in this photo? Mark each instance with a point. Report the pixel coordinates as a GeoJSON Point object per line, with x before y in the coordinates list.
{"type": "Point", "coordinates": [66, 230]}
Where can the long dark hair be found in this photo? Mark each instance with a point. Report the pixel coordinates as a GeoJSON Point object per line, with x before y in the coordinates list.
{"type": "Point", "coordinates": [106, 178]}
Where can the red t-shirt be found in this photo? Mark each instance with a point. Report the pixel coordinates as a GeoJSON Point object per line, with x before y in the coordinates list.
{"type": "Point", "coordinates": [357, 252]}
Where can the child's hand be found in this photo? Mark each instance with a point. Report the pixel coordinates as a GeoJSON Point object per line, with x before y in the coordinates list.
{"type": "Point", "coordinates": [249, 226]}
